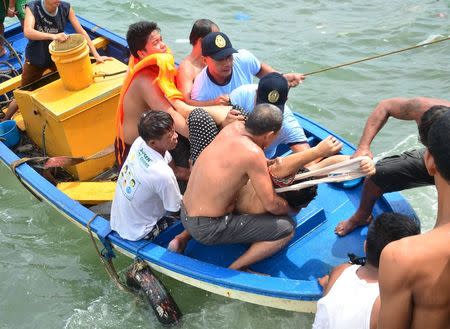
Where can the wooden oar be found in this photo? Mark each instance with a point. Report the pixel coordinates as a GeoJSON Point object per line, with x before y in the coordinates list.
{"type": "Point", "coordinates": [65, 161]}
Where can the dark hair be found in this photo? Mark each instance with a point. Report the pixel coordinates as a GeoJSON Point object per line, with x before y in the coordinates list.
{"type": "Point", "coordinates": [154, 124]}
{"type": "Point", "coordinates": [200, 29]}
{"type": "Point", "coordinates": [438, 144]}
{"type": "Point", "coordinates": [386, 228]}
{"type": "Point", "coordinates": [137, 35]}
{"type": "Point", "coordinates": [428, 118]}
{"type": "Point", "coordinates": [263, 119]}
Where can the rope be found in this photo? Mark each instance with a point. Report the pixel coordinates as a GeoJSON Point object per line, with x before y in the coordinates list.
{"type": "Point", "coordinates": [104, 75]}
{"type": "Point", "coordinates": [12, 50]}
{"type": "Point", "coordinates": [108, 264]}
{"type": "Point", "coordinates": [376, 56]}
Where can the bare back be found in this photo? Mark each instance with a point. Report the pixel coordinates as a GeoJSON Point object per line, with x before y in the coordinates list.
{"type": "Point", "coordinates": [223, 168]}
{"type": "Point", "coordinates": [431, 280]}
{"type": "Point", "coordinates": [416, 276]}
{"type": "Point", "coordinates": [220, 172]}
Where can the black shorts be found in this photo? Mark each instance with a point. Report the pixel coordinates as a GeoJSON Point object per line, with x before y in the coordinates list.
{"type": "Point", "coordinates": [401, 172]}
{"type": "Point", "coordinates": [234, 228]}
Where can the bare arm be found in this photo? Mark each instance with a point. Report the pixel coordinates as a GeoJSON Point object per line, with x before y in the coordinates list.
{"type": "Point", "coordinates": [79, 29]}
{"type": "Point", "coordinates": [292, 163]}
{"type": "Point", "coordinates": [156, 101]}
{"type": "Point", "coordinates": [333, 276]}
{"type": "Point", "coordinates": [262, 184]}
{"type": "Point", "coordinates": [294, 79]}
{"type": "Point", "coordinates": [32, 34]}
{"type": "Point", "coordinates": [218, 113]}
{"type": "Point", "coordinates": [181, 173]}
{"type": "Point", "coordinates": [395, 293]}
{"type": "Point", "coordinates": [185, 81]}
{"type": "Point", "coordinates": [399, 108]}
{"type": "Point", "coordinates": [11, 10]}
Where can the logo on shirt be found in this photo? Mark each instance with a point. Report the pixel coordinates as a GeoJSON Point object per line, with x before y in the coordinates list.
{"type": "Point", "coordinates": [128, 182]}
{"type": "Point", "coordinates": [144, 159]}
{"type": "Point", "coordinates": [220, 41]}
{"type": "Point", "coordinates": [273, 96]}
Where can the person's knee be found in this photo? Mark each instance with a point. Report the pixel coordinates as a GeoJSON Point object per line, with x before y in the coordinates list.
{"type": "Point", "coordinates": [286, 227]}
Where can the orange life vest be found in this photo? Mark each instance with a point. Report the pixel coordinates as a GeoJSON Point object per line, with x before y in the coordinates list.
{"type": "Point", "coordinates": [162, 65]}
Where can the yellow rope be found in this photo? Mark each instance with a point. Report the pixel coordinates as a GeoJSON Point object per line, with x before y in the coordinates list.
{"type": "Point", "coordinates": [376, 56]}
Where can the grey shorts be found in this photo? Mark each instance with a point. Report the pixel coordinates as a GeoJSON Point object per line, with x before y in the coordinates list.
{"type": "Point", "coordinates": [401, 172]}
{"type": "Point", "coordinates": [234, 228]}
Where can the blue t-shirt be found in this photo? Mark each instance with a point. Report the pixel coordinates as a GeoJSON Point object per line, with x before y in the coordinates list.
{"type": "Point", "coordinates": [291, 131]}
{"type": "Point", "coordinates": [36, 51]}
{"type": "Point", "coordinates": [245, 67]}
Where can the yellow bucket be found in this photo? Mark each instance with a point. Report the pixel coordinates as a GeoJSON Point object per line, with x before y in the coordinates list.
{"type": "Point", "coordinates": [72, 61]}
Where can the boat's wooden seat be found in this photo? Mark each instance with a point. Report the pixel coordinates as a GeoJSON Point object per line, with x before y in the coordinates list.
{"type": "Point", "coordinates": [89, 192]}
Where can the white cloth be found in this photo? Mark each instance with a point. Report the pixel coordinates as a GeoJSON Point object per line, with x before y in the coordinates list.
{"type": "Point", "coordinates": [291, 131]}
{"type": "Point", "coordinates": [245, 67]}
{"type": "Point", "coordinates": [146, 189]}
{"type": "Point", "coordinates": [348, 304]}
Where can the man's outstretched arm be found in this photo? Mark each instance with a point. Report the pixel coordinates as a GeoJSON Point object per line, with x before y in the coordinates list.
{"type": "Point", "coordinates": [399, 108]}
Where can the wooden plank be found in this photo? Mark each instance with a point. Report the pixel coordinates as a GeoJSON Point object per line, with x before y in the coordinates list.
{"type": "Point", "coordinates": [13, 83]}
{"type": "Point", "coordinates": [100, 42]}
{"type": "Point", "coordinates": [88, 192]}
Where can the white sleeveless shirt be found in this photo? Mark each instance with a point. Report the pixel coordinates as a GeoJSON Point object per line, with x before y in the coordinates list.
{"type": "Point", "coordinates": [348, 304]}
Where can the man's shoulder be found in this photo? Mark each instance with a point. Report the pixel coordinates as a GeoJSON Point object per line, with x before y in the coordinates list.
{"type": "Point", "coordinates": [404, 253]}
{"type": "Point", "coordinates": [247, 90]}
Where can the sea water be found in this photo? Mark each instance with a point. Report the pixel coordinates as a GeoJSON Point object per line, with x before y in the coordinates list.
{"type": "Point", "coordinates": [49, 272]}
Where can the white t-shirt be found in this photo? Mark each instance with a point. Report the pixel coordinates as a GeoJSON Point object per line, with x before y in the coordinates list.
{"type": "Point", "coordinates": [245, 67]}
{"type": "Point", "coordinates": [348, 304]}
{"type": "Point", "coordinates": [291, 131]}
{"type": "Point", "coordinates": [146, 189]}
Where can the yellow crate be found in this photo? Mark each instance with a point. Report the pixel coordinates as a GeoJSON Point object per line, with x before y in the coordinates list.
{"type": "Point", "coordinates": [75, 123]}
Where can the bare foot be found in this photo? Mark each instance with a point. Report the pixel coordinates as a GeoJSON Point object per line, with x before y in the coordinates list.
{"type": "Point", "coordinates": [2, 51]}
{"type": "Point", "coordinates": [347, 226]}
{"type": "Point", "coordinates": [177, 245]}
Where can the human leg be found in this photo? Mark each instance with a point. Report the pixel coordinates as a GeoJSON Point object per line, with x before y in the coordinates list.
{"type": "Point", "coordinates": [394, 173]}
{"type": "Point", "coordinates": [369, 195]}
{"type": "Point", "coordinates": [259, 251]}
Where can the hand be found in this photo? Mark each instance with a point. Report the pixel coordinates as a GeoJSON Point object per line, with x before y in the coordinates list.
{"type": "Point", "coordinates": [102, 59]}
{"type": "Point", "coordinates": [61, 37]}
{"type": "Point", "coordinates": [367, 167]}
{"type": "Point", "coordinates": [222, 100]}
{"type": "Point", "coordinates": [362, 150]}
{"type": "Point", "coordinates": [232, 115]}
{"type": "Point", "coordinates": [328, 146]}
{"type": "Point", "coordinates": [323, 281]}
{"type": "Point", "coordinates": [11, 12]}
{"type": "Point", "coordinates": [294, 79]}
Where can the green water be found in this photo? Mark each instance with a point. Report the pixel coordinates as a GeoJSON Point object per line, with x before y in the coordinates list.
{"type": "Point", "coordinates": [49, 272]}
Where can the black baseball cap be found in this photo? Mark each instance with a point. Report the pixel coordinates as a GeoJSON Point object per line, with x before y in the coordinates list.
{"type": "Point", "coordinates": [217, 45]}
{"type": "Point", "coordinates": [273, 89]}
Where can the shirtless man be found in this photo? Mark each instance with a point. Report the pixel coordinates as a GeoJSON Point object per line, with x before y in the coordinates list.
{"type": "Point", "coordinates": [395, 173]}
{"type": "Point", "coordinates": [415, 271]}
{"type": "Point", "coordinates": [144, 39]}
{"type": "Point", "coordinates": [209, 201]}
{"type": "Point", "coordinates": [194, 63]}
{"type": "Point", "coordinates": [142, 91]}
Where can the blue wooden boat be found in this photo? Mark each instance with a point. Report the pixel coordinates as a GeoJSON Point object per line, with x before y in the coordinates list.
{"type": "Point", "coordinates": [292, 284]}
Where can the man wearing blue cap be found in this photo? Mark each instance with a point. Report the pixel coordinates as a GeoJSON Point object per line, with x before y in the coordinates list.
{"type": "Point", "coordinates": [226, 69]}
